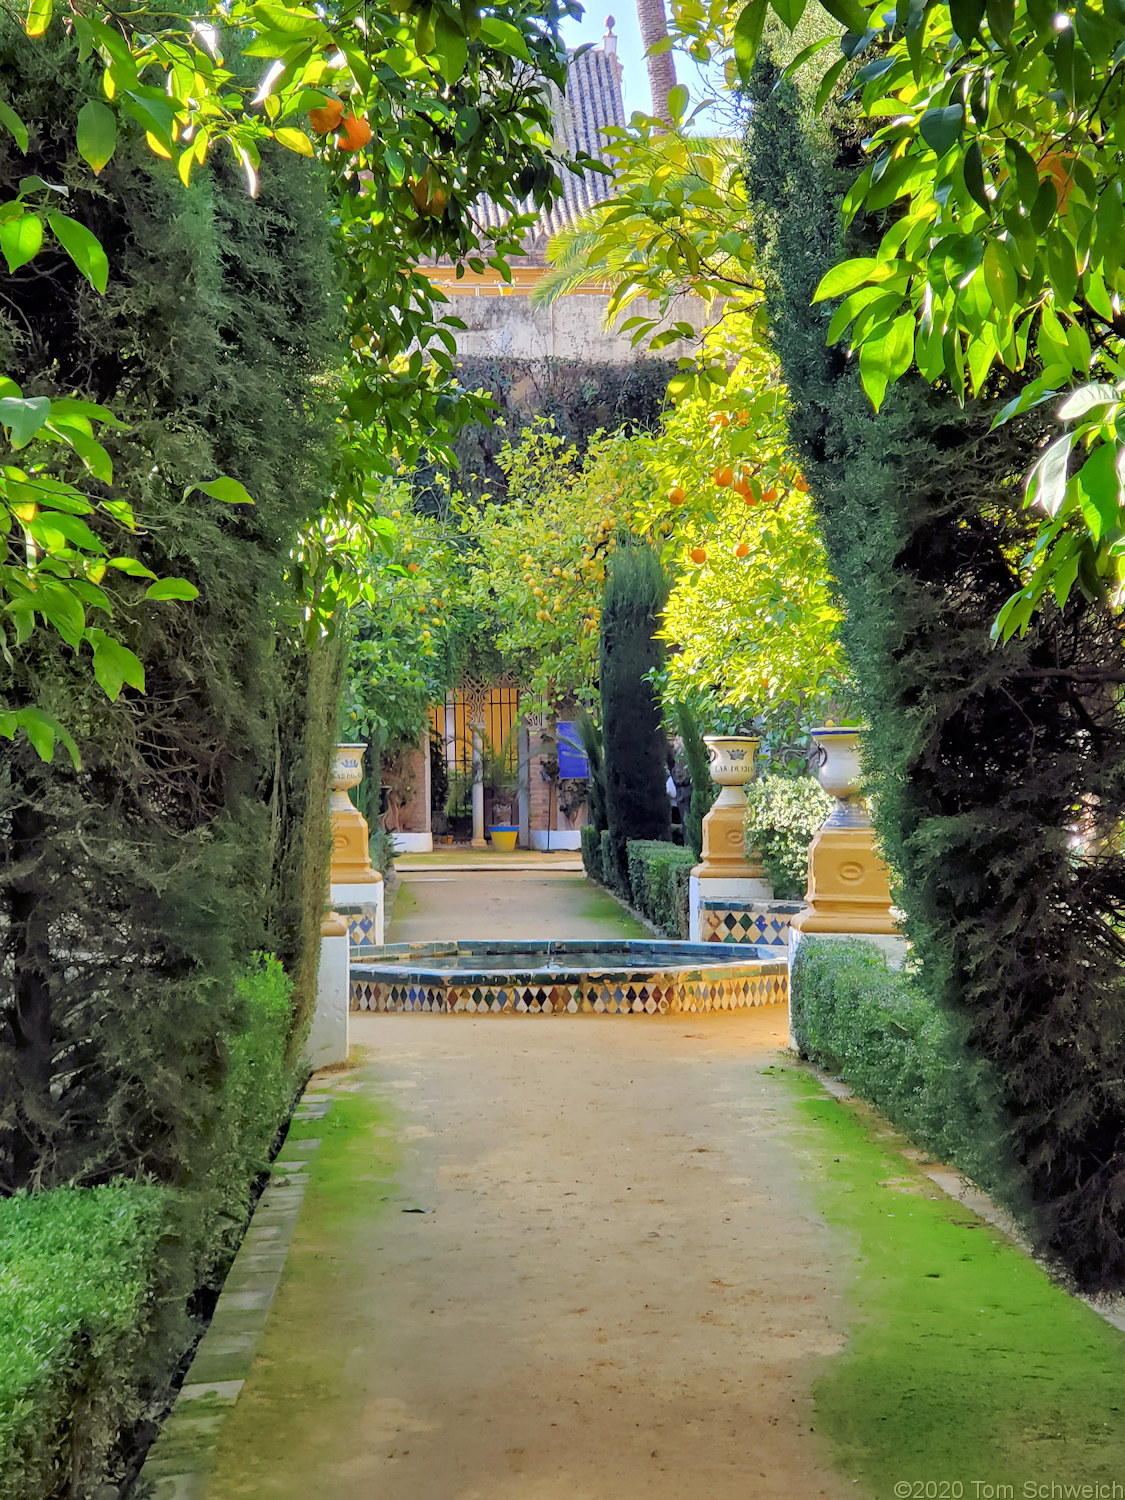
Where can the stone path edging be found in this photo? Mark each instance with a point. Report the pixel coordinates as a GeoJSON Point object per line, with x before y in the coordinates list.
{"type": "Point", "coordinates": [179, 1463]}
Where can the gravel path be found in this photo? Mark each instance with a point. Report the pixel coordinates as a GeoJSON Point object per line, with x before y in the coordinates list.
{"type": "Point", "coordinates": [581, 1266]}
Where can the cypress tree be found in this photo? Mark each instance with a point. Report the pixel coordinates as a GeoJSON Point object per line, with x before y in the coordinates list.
{"type": "Point", "coordinates": [703, 789]}
{"type": "Point", "coordinates": [635, 748]}
{"type": "Point", "coordinates": [136, 888]}
{"type": "Point", "coordinates": [982, 759]}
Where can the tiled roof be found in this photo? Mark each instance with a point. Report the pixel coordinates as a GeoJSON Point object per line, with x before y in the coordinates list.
{"type": "Point", "coordinates": [593, 100]}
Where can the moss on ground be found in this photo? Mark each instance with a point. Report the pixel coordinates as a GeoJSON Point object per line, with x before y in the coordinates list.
{"type": "Point", "coordinates": [301, 1381]}
{"type": "Point", "coordinates": [595, 905]}
{"type": "Point", "coordinates": [966, 1363]}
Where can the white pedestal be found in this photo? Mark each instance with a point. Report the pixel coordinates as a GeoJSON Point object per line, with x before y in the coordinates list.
{"type": "Point", "coordinates": [327, 1042]}
{"type": "Point", "coordinates": [556, 838]}
{"type": "Point", "coordinates": [703, 888]}
{"type": "Point", "coordinates": [413, 843]}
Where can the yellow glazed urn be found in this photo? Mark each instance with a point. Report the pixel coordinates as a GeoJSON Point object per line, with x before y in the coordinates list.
{"type": "Point", "coordinates": [849, 888]}
{"type": "Point", "coordinates": [351, 857]}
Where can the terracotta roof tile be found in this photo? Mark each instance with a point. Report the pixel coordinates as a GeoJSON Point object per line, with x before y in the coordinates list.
{"type": "Point", "coordinates": [593, 100]}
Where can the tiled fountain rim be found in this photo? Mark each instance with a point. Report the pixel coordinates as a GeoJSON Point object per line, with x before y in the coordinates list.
{"type": "Point", "coordinates": [683, 961]}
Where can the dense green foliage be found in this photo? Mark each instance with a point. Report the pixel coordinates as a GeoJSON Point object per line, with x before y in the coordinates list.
{"type": "Point", "coordinates": [995, 131]}
{"type": "Point", "coordinates": [591, 837]}
{"type": "Point", "coordinates": [635, 749]}
{"type": "Point", "coordinates": [194, 832]}
{"type": "Point", "coordinates": [873, 1027]}
{"type": "Point", "coordinates": [77, 1310]}
{"type": "Point", "coordinates": [783, 814]}
{"type": "Point", "coordinates": [658, 884]}
{"type": "Point", "coordinates": [93, 1281]}
{"type": "Point", "coordinates": [981, 760]}
{"type": "Point", "coordinates": [580, 400]}
{"type": "Point", "coordinates": [703, 788]}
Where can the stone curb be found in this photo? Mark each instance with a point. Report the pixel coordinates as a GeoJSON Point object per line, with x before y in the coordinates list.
{"type": "Point", "coordinates": [179, 1463]}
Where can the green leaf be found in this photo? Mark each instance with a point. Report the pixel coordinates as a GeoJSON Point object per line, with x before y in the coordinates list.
{"type": "Point", "coordinates": [226, 489]}
{"type": "Point", "coordinates": [115, 666]}
{"type": "Point", "coordinates": [677, 101]}
{"type": "Point", "coordinates": [83, 248]}
{"type": "Point", "coordinates": [940, 128]}
{"type": "Point", "coordinates": [1099, 490]}
{"type": "Point", "coordinates": [39, 13]}
{"type": "Point", "coordinates": [789, 12]}
{"type": "Point", "coordinates": [503, 36]}
{"type": "Point", "coordinates": [172, 588]}
{"type": "Point", "coordinates": [39, 728]}
{"type": "Point", "coordinates": [131, 566]}
{"type": "Point", "coordinates": [1086, 398]}
{"type": "Point", "coordinates": [974, 176]}
{"type": "Point", "coordinates": [20, 240]}
{"type": "Point", "coordinates": [97, 134]}
{"type": "Point", "coordinates": [24, 416]}
{"type": "Point", "coordinates": [850, 14]}
{"type": "Point", "coordinates": [966, 16]}
{"type": "Point", "coordinates": [828, 82]}
{"type": "Point", "coordinates": [1046, 483]}
{"type": "Point", "coordinates": [1001, 15]}
{"type": "Point", "coordinates": [89, 450]}
{"type": "Point", "coordinates": [748, 34]}
{"type": "Point", "coordinates": [1000, 276]}
{"type": "Point", "coordinates": [845, 277]}
{"type": "Point", "coordinates": [12, 122]}
{"type": "Point", "coordinates": [61, 608]}
{"type": "Point", "coordinates": [294, 140]}
{"type": "Point", "coordinates": [1022, 164]}
{"type": "Point", "coordinates": [451, 47]}
{"type": "Point", "coordinates": [54, 531]}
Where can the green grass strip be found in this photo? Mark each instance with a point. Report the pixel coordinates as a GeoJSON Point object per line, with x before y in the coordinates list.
{"type": "Point", "coordinates": [966, 1366]}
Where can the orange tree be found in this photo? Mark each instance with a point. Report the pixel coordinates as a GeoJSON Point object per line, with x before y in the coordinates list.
{"type": "Point", "coordinates": [414, 112]}
{"type": "Point", "coordinates": [538, 562]}
{"type": "Point", "coordinates": [752, 614]}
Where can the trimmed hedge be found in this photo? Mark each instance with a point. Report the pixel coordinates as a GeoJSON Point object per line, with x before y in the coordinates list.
{"type": "Point", "coordinates": [658, 881]}
{"type": "Point", "coordinates": [94, 1282]}
{"type": "Point", "coordinates": [77, 1307]}
{"type": "Point", "coordinates": [873, 1027]}
{"type": "Point", "coordinates": [592, 853]}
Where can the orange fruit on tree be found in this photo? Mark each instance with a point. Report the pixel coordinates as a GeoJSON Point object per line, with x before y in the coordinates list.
{"type": "Point", "coordinates": [742, 550]}
{"type": "Point", "coordinates": [413, 568]}
{"type": "Point", "coordinates": [1058, 168]}
{"type": "Point", "coordinates": [699, 554]}
{"type": "Point", "coordinates": [327, 118]}
{"type": "Point", "coordinates": [354, 133]}
{"type": "Point", "coordinates": [742, 484]}
{"type": "Point", "coordinates": [749, 500]}
{"type": "Point", "coordinates": [718, 419]}
{"type": "Point", "coordinates": [801, 484]}
{"type": "Point", "coordinates": [676, 495]}
{"type": "Point", "coordinates": [770, 496]}
{"type": "Point", "coordinates": [724, 476]}
{"type": "Point", "coordinates": [429, 194]}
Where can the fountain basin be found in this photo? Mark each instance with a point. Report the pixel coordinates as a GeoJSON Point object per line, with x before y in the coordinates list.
{"type": "Point", "coordinates": [566, 978]}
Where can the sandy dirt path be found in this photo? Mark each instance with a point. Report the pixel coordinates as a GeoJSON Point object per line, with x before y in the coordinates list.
{"type": "Point", "coordinates": [580, 1264]}
{"type": "Point", "coordinates": [508, 904]}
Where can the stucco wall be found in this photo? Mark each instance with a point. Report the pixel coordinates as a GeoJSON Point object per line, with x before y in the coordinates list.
{"type": "Point", "coordinates": [569, 329]}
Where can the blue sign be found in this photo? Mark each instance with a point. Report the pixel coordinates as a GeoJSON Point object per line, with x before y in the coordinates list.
{"type": "Point", "coordinates": [572, 757]}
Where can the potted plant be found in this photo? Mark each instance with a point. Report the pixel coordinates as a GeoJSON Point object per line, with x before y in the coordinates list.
{"type": "Point", "coordinates": [500, 773]}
